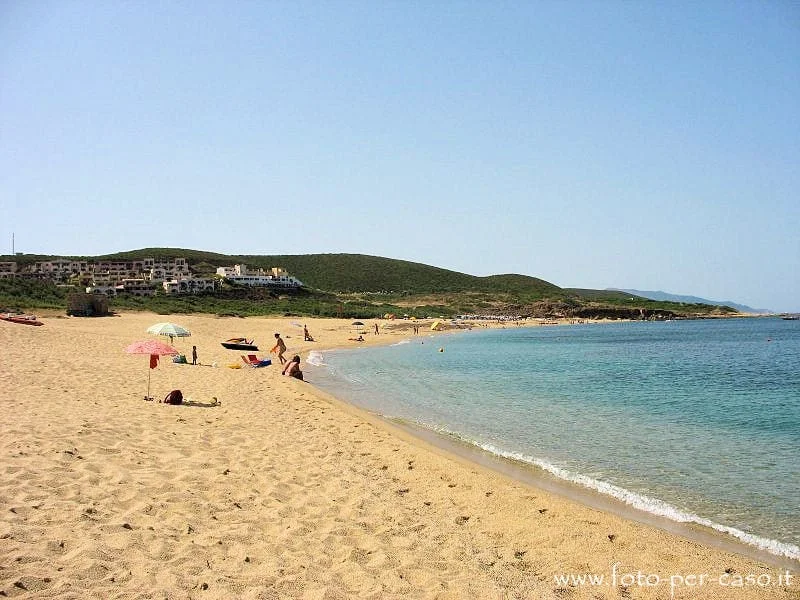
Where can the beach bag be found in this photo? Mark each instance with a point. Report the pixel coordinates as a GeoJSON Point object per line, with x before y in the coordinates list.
{"type": "Point", "coordinates": [174, 397]}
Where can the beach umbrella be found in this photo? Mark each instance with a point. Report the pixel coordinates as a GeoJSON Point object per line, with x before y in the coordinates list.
{"type": "Point", "coordinates": [170, 329]}
{"type": "Point", "coordinates": [154, 349]}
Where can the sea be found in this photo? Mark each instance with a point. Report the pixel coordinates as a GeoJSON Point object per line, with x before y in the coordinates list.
{"type": "Point", "coordinates": [696, 421]}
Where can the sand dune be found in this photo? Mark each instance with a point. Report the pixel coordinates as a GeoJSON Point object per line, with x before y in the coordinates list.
{"type": "Point", "coordinates": [278, 491]}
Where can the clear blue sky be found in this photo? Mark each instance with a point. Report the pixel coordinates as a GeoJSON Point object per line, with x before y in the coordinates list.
{"type": "Point", "coordinates": [650, 145]}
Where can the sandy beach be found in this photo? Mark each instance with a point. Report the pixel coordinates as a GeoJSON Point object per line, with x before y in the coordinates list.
{"type": "Point", "coordinates": [261, 486]}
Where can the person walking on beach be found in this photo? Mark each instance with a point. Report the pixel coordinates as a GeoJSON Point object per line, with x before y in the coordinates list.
{"type": "Point", "coordinates": [194, 355]}
{"type": "Point", "coordinates": [376, 329]}
{"type": "Point", "coordinates": [279, 347]}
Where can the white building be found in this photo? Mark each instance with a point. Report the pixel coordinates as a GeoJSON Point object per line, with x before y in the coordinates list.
{"type": "Point", "coordinates": [8, 269]}
{"type": "Point", "coordinates": [113, 270]}
{"type": "Point", "coordinates": [189, 285]}
{"type": "Point", "coordinates": [108, 290]}
{"type": "Point", "coordinates": [275, 277]}
{"type": "Point", "coordinates": [62, 268]}
{"type": "Point", "coordinates": [136, 287]}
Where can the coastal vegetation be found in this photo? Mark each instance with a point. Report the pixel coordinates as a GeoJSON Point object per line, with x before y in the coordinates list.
{"type": "Point", "coordinates": [357, 286]}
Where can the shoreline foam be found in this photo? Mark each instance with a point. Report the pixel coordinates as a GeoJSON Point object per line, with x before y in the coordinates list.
{"type": "Point", "coordinates": [777, 552]}
{"type": "Point", "coordinates": [619, 501]}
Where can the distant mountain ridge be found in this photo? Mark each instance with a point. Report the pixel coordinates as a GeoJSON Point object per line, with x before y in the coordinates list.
{"type": "Point", "coordinates": [667, 297]}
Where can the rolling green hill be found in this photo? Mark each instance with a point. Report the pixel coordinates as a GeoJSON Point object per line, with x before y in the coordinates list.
{"type": "Point", "coordinates": [359, 273]}
{"type": "Point", "coordinates": [361, 285]}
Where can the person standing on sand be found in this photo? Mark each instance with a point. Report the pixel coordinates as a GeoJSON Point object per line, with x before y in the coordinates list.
{"type": "Point", "coordinates": [376, 329]}
{"type": "Point", "coordinates": [194, 355]}
{"type": "Point", "coordinates": [280, 347]}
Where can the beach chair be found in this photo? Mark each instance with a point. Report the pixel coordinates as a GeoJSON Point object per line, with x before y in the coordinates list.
{"type": "Point", "coordinates": [253, 361]}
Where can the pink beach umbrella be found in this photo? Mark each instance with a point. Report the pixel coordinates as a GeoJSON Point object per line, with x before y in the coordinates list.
{"type": "Point", "coordinates": [155, 349]}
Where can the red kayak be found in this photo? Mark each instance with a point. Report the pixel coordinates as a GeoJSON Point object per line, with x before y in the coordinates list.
{"type": "Point", "coordinates": [21, 319]}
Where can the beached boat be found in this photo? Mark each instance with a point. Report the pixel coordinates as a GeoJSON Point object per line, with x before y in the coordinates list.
{"type": "Point", "coordinates": [239, 344]}
{"type": "Point", "coordinates": [21, 319]}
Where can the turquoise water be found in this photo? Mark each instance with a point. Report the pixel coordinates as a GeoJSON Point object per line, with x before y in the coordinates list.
{"type": "Point", "coordinates": [693, 420]}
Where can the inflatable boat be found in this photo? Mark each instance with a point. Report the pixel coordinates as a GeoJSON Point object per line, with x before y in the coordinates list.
{"type": "Point", "coordinates": [21, 319]}
{"type": "Point", "coordinates": [239, 344]}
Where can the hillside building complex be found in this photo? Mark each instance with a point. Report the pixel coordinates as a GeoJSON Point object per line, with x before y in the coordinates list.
{"type": "Point", "coordinates": [275, 277]}
{"type": "Point", "coordinates": [144, 277]}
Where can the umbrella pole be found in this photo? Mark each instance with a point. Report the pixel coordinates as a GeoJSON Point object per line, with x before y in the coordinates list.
{"type": "Point", "coordinates": [148, 385]}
